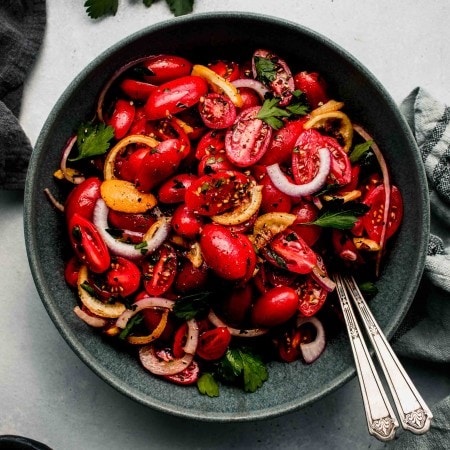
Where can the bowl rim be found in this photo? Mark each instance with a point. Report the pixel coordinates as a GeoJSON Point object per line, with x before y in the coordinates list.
{"type": "Point", "coordinates": [35, 263]}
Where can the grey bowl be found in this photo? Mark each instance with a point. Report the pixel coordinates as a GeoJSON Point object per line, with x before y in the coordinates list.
{"type": "Point", "coordinates": [234, 36]}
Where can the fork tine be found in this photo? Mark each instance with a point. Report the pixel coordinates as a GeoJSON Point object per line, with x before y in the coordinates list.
{"type": "Point", "coordinates": [414, 414]}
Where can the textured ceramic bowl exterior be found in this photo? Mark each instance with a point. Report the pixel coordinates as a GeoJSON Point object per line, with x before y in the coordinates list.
{"type": "Point", "coordinates": [233, 36]}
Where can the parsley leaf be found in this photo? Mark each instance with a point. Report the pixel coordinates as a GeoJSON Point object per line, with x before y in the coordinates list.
{"type": "Point", "coordinates": [99, 8]}
{"type": "Point", "coordinates": [266, 70]}
{"type": "Point", "coordinates": [271, 113]}
{"type": "Point", "coordinates": [343, 219]}
{"type": "Point", "coordinates": [192, 305]}
{"type": "Point", "coordinates": [180, 7]}
{"type": "Point", "coordinates": [206, 384]}
{"type": "Point", "coordinates": [93, 140]}
{"type": "Point", "coordinates": [359, 151]}
{"type": "Point", "coordinates": [239, 365]}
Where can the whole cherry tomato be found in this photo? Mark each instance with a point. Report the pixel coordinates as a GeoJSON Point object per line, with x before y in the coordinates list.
{"type": "Point", "coordinates": [217, 111]}
{"type": "Point", "coordinates": [213, 344]}
{"type": "Point", "coordinates": [306, 212]}
{"type": "Point", "coordinates": [122, 117]}
{"type": "Point", "coordinates": [211, 143]}
{"type": "Point", "coordinates": [71, 269]}
{"type": "Point", "coordinates": [236, 305]}
{"type": "Point", "coordinates": [275, 307]}
{"type": "Point", "coordinates": [82, 198]}
{"type": "Point", "coordinates": [289, 251]}
{"type": "Point", "coordinates": [162, 68]}
{"type": "Point", "coordinates": [283, 142]}
{"type": "Point", "coordinates": [273, 200]}
{"type": "Point", "coordinates": [216, 193]}
{"type": "Point", "coordinates": [175, 96]}
{"type": "Point", "coordinates": [373, 219]}
{"type": "Point", "coordinates": [129, 165]}
{"type": "Point", "coordinates": [137, 222]}
{"type": "Point", "coordinates": [122, 279]}
{"type": "Point", "coordinates": [159, 164]}
{"type": "Point", "coordinates": [229, 255]}
{"type": "Point", "coordinates": [249, 98]}
{"type": "Point", "coordinates": [87, 243]}
{"type": "Point", "coordinates": [248, 140]}
{"type": "Point", "coordinates": [185, 223]}
{"type": "Point", "coordinates": [137, 90]}
{"type": "Point", "coordinates": [190, 278]}
{"type": "Point", "coordinates": [159, 270]}
{"type": "Point", "coordinates": [313, 86]}
{"type": "Point", "coordinates": [174, 189]}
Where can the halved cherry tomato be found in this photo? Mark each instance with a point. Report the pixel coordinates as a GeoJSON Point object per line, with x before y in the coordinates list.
{"type": "Point", "coordinates": [185, 223]}
{"type": "Point", "coordinates": [213, 344]}
{"type": "Point", "coordinates": [162, 68]}
{"type": "Point", "coordinates": [311, 296]}
{"type": "Point", "coordinates": [283, 142]}
{"type": "Point", "coordinates": [175, 96]}
{"type": "Point", "coordinates": [137, 90]}
{"type": "Point", "coordinates": [288, 345]}
{"type": "Point", "coordinates": [226, 69]}
{"type": "Point", "coordinates": [87, 243]}
{"type": "Point", "coordinates": [340, 169]}
{"type": "Point", "coordinates": [159, 270]}
{"type": "Point", "coordinates": [249, 138]}
{"type": "Point", "coordinates": [216, 193]}
{"type": "Point", "coordinates": [291, 253]}
{"type": "Point", "coordinates": [231, 256]}
{"type": "Point", "coordinates": [159, 164]}
{"type": "Point", "coordinates": [275, 307]}
{"type": "Point", "coordinates": [282, 83]}
{"type": "Point", "coordinates": [129, 165]}
{"type": "Point", "coordinates": [174, 189]}
{"type": "Point", "coordinates": [82, 198]}
{"type": "Point", "coordinates": [313, 86]}
{"type": "Point", "coordinates": [373, 219]}
{"type": "Point", "coordinates": [170, 129]}
{"type": "Point", "coordinates": [122, 117]}
{"type": "Point", "coordinates": [217, 111]}
{"type": "Point", "coordinates": [187, 376]}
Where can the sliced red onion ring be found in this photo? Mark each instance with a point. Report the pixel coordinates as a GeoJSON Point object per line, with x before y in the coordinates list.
{"type": "Point", "coordinates": [280, 180]}
{"type": "Point", "coordinates": [144, 303]}
{"type": "Point", "coordinates": [256, 85]}
{"type": "Point", "coordinates": [314, 349]}
{"type": "Point", "coordinates": [154, 364]}
{"type": "Point", "coordinates": [247, 333]}
{"type": "Point", "coordinates": [120, 248]}
{"type": "Point", "coordinates": [96, 322]}
{"type": "Point", "coordinates": [77, 177]}
{"type": "Point", "coordinates": [323, 279]}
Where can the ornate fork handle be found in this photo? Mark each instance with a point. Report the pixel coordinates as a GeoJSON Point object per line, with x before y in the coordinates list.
{"type": "Point", "coordinates": [381, 420]}
{"type": "Point", "coordinates": [414, 414]}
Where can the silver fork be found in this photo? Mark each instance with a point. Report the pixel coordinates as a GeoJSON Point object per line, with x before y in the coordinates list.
{"type": "Point", "coordinates": [413, 412]}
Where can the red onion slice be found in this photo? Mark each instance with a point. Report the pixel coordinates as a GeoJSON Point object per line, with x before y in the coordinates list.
{"type": "Point", "coordinates": [256, 85]}
{"type": "Point", "coordinates": [76, 177]}
{"type": "Point", "coordinates": [247, 333]}
{"type": "Point", "coordinates": [314, 349]}
{"type": "Point", "coordinates": [322, 279]}
{"type": "Point", "coordinates": [93, 321]}
{"type": "Point", "coordinates": [280, 180]}
{"type": "Point", "coordinates": [144, 303]}
{"type": "Point", "coordinates": [120, 248]}
{"type": "Point", "coordinates": [154, 364]}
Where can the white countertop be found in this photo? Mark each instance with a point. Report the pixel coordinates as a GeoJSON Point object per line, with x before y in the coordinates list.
{"type": "Point", "coordinates": [46, 392]}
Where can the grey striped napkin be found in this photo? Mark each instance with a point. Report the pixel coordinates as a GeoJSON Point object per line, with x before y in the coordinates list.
{"type": "Point", "coordinates": [428, 321]}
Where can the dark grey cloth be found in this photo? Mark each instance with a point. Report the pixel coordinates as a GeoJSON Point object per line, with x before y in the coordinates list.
{"type": "Point", "coordinates": [22, 27]}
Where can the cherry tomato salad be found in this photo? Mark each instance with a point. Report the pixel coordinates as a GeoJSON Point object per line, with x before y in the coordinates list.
{"type": "Point", "coordinates": [209, 204]}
